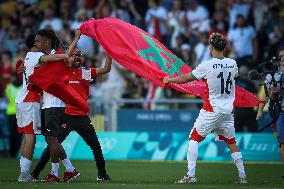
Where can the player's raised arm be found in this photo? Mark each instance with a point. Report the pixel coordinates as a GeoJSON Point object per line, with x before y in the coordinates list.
{"type": "Point", "coordinates": [106, 68]}
{"type": "Point", "coordinates": [73, 45]}
{"type": "Point", "coordinates": [180, 79]}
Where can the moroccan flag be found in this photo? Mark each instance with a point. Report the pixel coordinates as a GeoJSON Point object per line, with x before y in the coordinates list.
{"type": "Point", "coordinates": [142, 54]}
{"type": "Point", "coordinates": [53, 78]}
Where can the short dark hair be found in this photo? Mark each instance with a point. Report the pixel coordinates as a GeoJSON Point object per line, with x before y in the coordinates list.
{"type": "Point", "coordinates": [30, 41]}
{"type": "Point", "coordinates": [218, 41]}
{"type": "Point", "coordinates": [50, 34]}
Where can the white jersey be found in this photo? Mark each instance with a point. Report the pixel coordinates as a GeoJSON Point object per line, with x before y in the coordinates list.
{"type": "Point", "coordinates": [25, 95]}
{"type": "Point", "coordinates": [50, 101]}
{"type": "Point", "coordinates": [220, 78]}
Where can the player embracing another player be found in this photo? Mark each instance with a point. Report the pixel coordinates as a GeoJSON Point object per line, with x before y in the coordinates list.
{"type": "Point", "coordinates": [216, 115]}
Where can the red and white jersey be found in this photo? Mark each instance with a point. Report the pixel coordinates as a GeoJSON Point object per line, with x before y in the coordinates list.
{"type": "Point", "coordinates": [26, 95]}
{"type": "Point", "coordinates": [79, 79]}
{"type": "Point", "coordinates": [219, 74]}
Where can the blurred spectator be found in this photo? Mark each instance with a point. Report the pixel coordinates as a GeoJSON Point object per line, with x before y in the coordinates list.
{"type": "Point", "coordinates": [85, 44]}
{"type": "Point", "coordinates": [5, 69]}
{"type": "Point", "coordinates": [219, 24]}
{"type": "Point", "coordinates": [13, 42]}
{"type": "Point", "coordinates": [201, 50]}
{"type": "Point", "coordinates": [197, 16]}
{"type": "Point", "coordinates": [137, 17]}
{"type": "Point", "coordinates": [260, 11]}
{"type": "Point", "coordinates": [238, 7]}
{"type": "Point", "coordinates": [120, 11]}
{"type": "Point", "coordinates": [176, 22]}
{"type": "Point", "coordinates": [245, 117]}
{"type": "Point", "coordinates": [50, 21]}
{"type": "Point", "coordinates": [104, 9]}
{"type": "Point", "coordinates": [11, 91]}
{"type": "Point", "coordinates": [272, 29]}
{"type": "Point", "coordinates": [113, 86]}
{"type": "Point", "coordinates": [156, 19]}
{"type": "Point", "coordinates": [244, 43]}
{"type": "Point", "coordinates": [185, 54]}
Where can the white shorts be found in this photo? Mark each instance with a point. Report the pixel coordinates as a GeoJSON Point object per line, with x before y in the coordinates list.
{"type": "Point", "coordinates": [28, 117]}
{"type": "Point", "coordinates": [221, 124]}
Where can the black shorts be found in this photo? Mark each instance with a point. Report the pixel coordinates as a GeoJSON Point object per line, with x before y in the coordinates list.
{"type": "Point", "coordinates": [53, 118]}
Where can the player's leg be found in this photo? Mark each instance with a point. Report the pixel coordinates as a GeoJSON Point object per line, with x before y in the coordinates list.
{"type": "Point", "coordinates": [26, 124]}
{"type": "Point", "coordinates": [86, 130]}
{"type": "Point", "coordinates": [27, 149]}
{"type": "Point", "coordinates": [45, 156]}
{"type": "Point", "coordinates": [226, 132]}
{"type": "Point", "coordinates": [202, 127]}
{"type": "Point", "coordinates": [53, 120]}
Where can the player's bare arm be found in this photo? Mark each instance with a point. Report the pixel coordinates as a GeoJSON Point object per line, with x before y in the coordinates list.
{"type": "Point", "coordinates": [260, 109]}
{"type": "Point", "coordinates": [52, 58]}
{"type": "Point", "coordinates": [106, 68]}
{"type": "Point", "coordinates": [73, 45]}
{"type": "Point", "coordinates": [180, 79]}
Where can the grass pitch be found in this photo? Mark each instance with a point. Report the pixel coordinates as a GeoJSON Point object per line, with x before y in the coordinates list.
{"type": "Point", "coordinates": [152, 174]}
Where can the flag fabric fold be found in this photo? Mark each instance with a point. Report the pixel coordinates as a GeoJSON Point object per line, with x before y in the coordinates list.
{"type": "Point", "coordinates": [53, 79]}
{"type": "Point", "coordinates": [144, 55]}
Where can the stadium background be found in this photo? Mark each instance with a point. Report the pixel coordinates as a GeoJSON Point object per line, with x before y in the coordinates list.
{"type": "Point", "coordinates": [134, 120]}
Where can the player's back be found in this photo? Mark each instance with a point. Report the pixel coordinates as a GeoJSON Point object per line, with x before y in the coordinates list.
{"type": "Point", "coordinates": [25, 95]}
{"type": "Point", "coordinates": [221, 83]}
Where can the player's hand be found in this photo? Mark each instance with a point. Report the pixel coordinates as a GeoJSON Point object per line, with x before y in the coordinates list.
{"type": "Point", "coordinates": [259, 114]}
{"type": "Point", "coordinates": [77, 33]}
{"type": "Point", "coordinates": [166, 80]}
{"type": "Point", "coordinates": [22, 69]}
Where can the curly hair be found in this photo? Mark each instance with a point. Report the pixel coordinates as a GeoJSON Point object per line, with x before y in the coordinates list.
{"type": "Point", "coordinates": [50, 34]}
{"type": "Point", "coordinates": [30, 42]}
{"type": "Point", "coordinates": [218, 41]}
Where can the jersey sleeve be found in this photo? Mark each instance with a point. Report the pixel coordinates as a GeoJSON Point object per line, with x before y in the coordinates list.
{"type": "Point", "coordinates": [201, 71]}
{"type": "Point", "coordinates": [34, 56]}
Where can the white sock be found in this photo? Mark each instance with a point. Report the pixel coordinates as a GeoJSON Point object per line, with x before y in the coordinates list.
{"type": "Point", "coordinates": [68, 165]}
{"type": "Point", "coordinates": [192, 155]}
{"type": "Point", "coordinates": [238, 159]}
{"type": "Point", "coordinates": [54, 168]}
{"type": "Point", "coordinates": [25, 164]}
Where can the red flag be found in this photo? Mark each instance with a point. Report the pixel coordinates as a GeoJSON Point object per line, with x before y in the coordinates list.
{"type": "Point", "coordinates": [144, 55]}
{"type": "Point", "coordinates": [53, 78]}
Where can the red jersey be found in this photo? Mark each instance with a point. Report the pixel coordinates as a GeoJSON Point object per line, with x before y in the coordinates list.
{"type": "Point", "coordinates": [79, 79]}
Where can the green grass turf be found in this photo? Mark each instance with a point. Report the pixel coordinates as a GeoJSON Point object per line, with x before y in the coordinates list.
{"type": "Point", "coordinates": [152, 174]}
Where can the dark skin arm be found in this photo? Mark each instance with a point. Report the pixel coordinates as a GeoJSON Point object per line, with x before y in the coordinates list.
{"type": "Point", "coordinates": [180, 79]}
{"type": "Point", "coordinates": [106, 68]}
